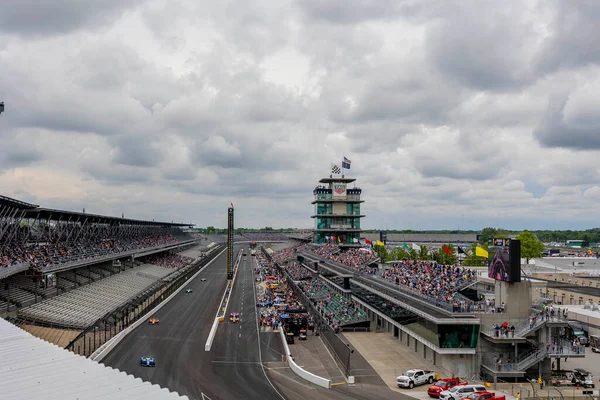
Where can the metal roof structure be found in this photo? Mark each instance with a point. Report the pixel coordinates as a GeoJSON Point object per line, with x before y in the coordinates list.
{"type": "Point", "coordinates": [35, 211]}
{"type": "Point", "coordinates": [32, 368]}
{"type": "Point", "coordinates": [48, 213]}
{"type": "Point", "coordinates": [14, 203]}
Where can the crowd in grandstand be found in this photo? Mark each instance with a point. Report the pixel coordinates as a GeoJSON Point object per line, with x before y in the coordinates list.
{"type": "Point", "coordinates": [288, 253]}
{"type": "Point", "coordinates": [429, 278]}
{"type": "Point", "coordinates": [325, 250]}
{"type": "Point", "coordinates": [426, 278]}
{"type": "Point", "coordinates": [53, 252]}
{"type": "Point", "coordinates": [297, 271]}
{"type": "Point", "coordinates": [354, 258]}
{"type": "Point", "coordinates": [168, 260]}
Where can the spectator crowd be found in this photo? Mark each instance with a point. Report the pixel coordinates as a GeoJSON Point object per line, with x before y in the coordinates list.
{"type": "Point", "coordinates": [55, 252]}
{"type": "Point", "coordinates": [297, 271]}
{"type": "Point", "coordinates": [429, 278]}
{"type": "Point", "coordinates": [168, 260]}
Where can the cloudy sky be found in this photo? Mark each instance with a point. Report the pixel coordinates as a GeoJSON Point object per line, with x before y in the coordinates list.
{"type": "Point", "coordinates": [454, 113]}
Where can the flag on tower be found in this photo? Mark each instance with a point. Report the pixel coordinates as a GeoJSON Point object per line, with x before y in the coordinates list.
{"type": "Point", "coordinates": [335, 169]}
{"type": "Point", "coordinates": [346, 163]}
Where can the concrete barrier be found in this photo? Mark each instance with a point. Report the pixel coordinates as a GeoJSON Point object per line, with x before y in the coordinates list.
{"type": "Point", "coordinates": [107, 347]}
{"type": "Point", "coordinates": [309, 376]}
{"type": "Point", "coordinates": [211, 335]}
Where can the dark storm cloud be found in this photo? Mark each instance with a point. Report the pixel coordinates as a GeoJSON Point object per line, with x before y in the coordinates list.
{"type": "Point", "coordinates": [17, 151]}
{"type": "Point", "coordinates": [573, 39]}
{"type": "Point", "coordinates": [481, 47]}
{"type": "Point", "coordinates": [136, 151]}
{"type": "Point", "coordinates": [52, 17]}
{"type": "Point", "coordinates": [354, 11]}
{"type": "Point", "coordinates": [553, 131]}
{"type": "Point", "coordinates": [118, 175]}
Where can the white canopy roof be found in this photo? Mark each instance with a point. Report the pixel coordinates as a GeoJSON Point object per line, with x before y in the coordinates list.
{"type": "Point", "coordinates": [31, 368]}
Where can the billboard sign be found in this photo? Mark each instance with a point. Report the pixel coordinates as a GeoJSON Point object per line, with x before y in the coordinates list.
{"type": "Point", "coordinates": [339, 190]}
{"type": "Point", "coordinates": [504, 262]}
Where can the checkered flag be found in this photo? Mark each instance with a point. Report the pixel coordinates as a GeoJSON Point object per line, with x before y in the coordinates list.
{"type": "Point", "coordinates": [335, 169]}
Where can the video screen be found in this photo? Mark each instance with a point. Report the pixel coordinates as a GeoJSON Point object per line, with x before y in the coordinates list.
{"type": "Point", "coordinates": [504, 262]}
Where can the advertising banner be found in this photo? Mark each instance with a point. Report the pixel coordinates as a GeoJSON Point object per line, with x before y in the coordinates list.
{"type": "Point", "coordinates": [339, 190]}
{"type": "Point", "coordinates": [504, 260]}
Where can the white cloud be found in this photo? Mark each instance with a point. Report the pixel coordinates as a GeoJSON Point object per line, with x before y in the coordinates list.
{"type": "Point", "coordinates": [485, 115]}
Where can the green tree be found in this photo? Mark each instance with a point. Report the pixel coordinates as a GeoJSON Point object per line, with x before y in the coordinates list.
{"type": "Point", "coordinates": [413, 255]}
{"type": "Point", "coordinates": [424, 253]}
{"type": "Point", "coordinates": [397, 254]}
{"type": "Point", "coordinates": [381, 252]}
{"type": "Point", "coordinates": [531, 246]}
{"type": "Point", "coordinates": [210, 230]}
{"type": "Point", "coordinates": [490, 233]}
{"type": "Point", "coordinates": [444, 258]}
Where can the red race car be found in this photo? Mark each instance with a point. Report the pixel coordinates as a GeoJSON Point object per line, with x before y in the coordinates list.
{"type": "Point", "coordinates": [444, 384]}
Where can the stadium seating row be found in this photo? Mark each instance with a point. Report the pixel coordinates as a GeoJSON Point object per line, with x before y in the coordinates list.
{"type": "Point", "coordinates": [83, 306]}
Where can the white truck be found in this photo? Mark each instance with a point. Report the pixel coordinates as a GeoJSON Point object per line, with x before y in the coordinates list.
{"type": "Point", "coordinates": [415, 377]}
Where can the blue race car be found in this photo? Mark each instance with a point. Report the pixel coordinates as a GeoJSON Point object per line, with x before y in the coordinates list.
{"type": "Point", "coordinates": [147, 361]}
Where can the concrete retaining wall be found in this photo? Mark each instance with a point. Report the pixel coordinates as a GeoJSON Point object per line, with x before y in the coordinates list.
{"type": "Point", "coordinates": [317, 380]}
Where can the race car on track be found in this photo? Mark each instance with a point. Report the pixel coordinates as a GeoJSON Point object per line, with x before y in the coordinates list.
{"type": "Point", "coordinates": [234, 317]}
{"type": "Point", "coordinates": [147, 361]}
{"type": "Point", "coordinates": [188, 290]}
{"type": "Point", "coordinates": [153, 321]}
{"type": "Point", "coordinates": [203, 279]}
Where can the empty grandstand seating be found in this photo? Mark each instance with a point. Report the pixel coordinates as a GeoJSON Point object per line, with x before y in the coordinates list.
{"type": "Point", "coordinates": [27, 283]}
{"type": "Point", "coordinates": [84, 305]}
{"type": "Point", "coordinates": [19, 296]}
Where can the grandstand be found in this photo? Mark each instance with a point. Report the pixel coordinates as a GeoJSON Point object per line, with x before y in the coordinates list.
{"type": "Point", "coordinates": [297, 272]}
{"type": "Point", "coordinates": [46, 252]}
{"type": "Point", "coordinates": [338, 310]}
{"type": "Point", "coordinates": [48, 240]}
{"type": "Point", "coordinates": [82, 306]}
{"type": "Point", "coordinates": [266, 236]}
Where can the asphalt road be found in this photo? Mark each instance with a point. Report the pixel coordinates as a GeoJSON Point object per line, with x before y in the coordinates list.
{"type": "Point", "coordinates": [243, 363]}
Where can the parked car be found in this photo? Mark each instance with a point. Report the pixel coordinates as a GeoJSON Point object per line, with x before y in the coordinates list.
{"type": "Point", "coordinates": [484, 396]}
{"type": "Point", "coordinates": [444, 384]}
{"type": "Point", "coordinates": [415, 377]}
{"type": "Point", "coordinates": [583, 378]}
{"type": "Point", "coordinates": [460, 392]}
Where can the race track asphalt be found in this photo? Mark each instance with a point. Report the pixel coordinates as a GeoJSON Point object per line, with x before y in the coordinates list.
{"type": "Point", "coordinates": [233, 369]}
